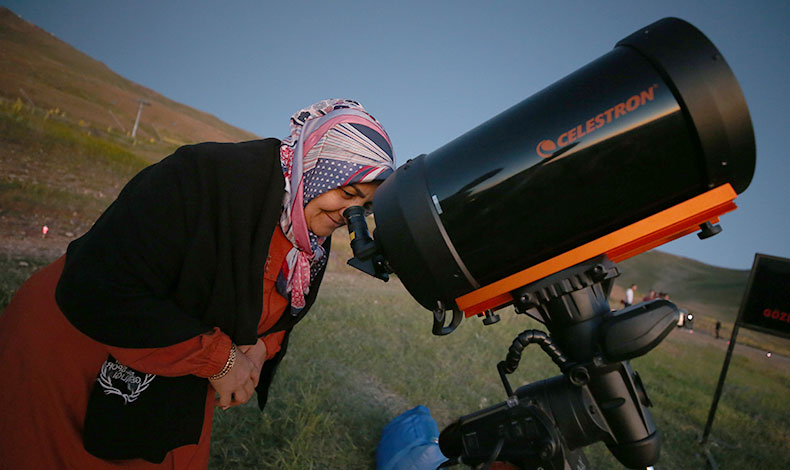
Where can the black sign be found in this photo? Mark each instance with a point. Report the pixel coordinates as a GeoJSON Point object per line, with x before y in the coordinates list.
{"type": "Point", "coordinates": [766, 303]}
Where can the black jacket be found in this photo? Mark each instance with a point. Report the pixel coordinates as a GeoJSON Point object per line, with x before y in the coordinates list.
{"type": "Point", "coordinates": [180, 251]}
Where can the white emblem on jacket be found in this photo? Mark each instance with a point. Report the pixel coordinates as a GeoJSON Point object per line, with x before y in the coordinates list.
{"type": "Point", "coordinates": [113, 374]}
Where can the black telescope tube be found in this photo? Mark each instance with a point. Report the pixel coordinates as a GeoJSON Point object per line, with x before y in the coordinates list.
{"type": "Point", "coordinates": [658, 120]}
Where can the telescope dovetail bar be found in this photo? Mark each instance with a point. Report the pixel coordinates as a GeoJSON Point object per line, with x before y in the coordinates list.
{"type": "Point", "coordinates": [675, 222]}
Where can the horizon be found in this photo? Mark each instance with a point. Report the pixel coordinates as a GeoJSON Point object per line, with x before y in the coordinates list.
{"type": "Point", "coordinates": [479, 61]}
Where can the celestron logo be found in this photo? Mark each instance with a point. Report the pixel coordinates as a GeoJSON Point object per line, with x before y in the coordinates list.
{"type": "Point", "coordinates": [547, 147]}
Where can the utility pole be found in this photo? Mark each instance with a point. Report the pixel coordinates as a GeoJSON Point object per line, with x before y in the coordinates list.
{"type": "Point", "coordinates": [139, 111]}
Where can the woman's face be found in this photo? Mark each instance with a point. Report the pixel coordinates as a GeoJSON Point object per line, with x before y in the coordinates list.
{"type": "Point", "coordinates": [324, 213]}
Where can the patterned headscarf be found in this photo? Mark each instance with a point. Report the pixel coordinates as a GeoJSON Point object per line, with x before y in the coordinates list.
{"type": "Point", "coordinates": [333, 143]}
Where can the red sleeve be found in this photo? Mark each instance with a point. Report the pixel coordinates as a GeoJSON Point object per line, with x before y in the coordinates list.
{"type": "Point", "coordinates": [273, 342]}
{"type": "Point", "coordinates": [203, 355]}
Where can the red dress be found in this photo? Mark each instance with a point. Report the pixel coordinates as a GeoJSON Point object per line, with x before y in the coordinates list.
{"type": "Point", "coordinates": [48, 368]}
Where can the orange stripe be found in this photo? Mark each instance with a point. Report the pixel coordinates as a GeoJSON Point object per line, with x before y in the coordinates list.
{"type": "Point", "coordinates": [648, 233]}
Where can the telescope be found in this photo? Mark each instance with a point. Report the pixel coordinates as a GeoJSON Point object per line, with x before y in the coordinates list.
{"type": "Point", "coordinates": [533, 209]}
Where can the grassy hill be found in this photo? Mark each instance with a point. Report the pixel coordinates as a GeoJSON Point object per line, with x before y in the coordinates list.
{"type": "Point", "coordinates": [699, 287]}
{"type": "Point", "coordinates": [710, 293]}
{"type": "Point", "coordinates": [65, 136]}
{"type": "Point", "coordinates": [47, 73]}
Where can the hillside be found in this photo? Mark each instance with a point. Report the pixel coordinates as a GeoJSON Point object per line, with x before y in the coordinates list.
{"type": "Point", "coordinates": [698, 287]}
{"type": "Point", "coordinates": [65, 137]}
{"type": "Point", "coordinates": [710, 293]}
{"type": "Point", "coordinates": [49, 74]}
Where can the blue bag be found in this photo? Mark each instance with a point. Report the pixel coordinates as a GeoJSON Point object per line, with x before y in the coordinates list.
{"type": "Point", "coordinates": [410, 442]}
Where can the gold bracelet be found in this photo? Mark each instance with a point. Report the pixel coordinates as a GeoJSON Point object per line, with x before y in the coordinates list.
{"type": "Point", "coordinates": [228, 365]}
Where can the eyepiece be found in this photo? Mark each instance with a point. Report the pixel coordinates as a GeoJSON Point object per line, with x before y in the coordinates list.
{"type": "Point", "coordinates": [366, 254]}
{"type": "Point", "coordinates": [361, 243]}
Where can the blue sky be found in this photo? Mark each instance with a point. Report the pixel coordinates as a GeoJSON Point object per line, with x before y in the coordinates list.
{"type": "Point", "coordinates": [431, 70]}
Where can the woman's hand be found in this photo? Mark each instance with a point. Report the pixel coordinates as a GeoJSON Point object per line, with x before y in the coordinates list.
{"type": "Point", "coordinates": [257, 354]}
{"type": "Point", "coordinates": [237, 386]}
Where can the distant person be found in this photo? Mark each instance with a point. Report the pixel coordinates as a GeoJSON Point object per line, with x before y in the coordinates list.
{"type": "Point", "coordinates": [629, 295]}
{"type": "Point", "coordinates": [663, 295]}
{"type": "Point", "coordinates": [650, 296]}
{"type": "Point", "coordinates": [718, 328]}
{"type": "Point", "coordinates": [187, 286]}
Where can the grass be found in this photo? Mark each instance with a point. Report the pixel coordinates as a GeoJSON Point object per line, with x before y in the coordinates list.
{"type": "Point", "coordinates": [14, 270]}
{"type": "Point", "coordinates": [750, 429]}
{"type": "Point", "coordinates": [365, 354]}
{"type": "Point", "coordinates": [57, 172]}
{"type": "Point", "coordinates": [49, 132]}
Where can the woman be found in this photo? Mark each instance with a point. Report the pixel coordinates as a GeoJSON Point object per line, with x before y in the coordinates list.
{"type": "Point", "coordinates": [181, 296]}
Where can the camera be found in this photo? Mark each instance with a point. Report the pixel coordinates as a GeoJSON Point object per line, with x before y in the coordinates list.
{"type": "Point", "coordinates": [533, 209]}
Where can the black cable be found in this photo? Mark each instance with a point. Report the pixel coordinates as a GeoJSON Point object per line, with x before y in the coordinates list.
{"type": "Point", "coordinates": [526, 338]}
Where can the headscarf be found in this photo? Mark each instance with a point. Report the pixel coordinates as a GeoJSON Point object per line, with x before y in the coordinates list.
{"type": "Point", "coordinates": [333, 143]}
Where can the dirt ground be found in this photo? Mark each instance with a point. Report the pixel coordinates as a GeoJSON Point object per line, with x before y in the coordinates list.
{"type": "Point", "coordinates": [16, 244]}
{"type": "Point", "coordinates": [755, 354]}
